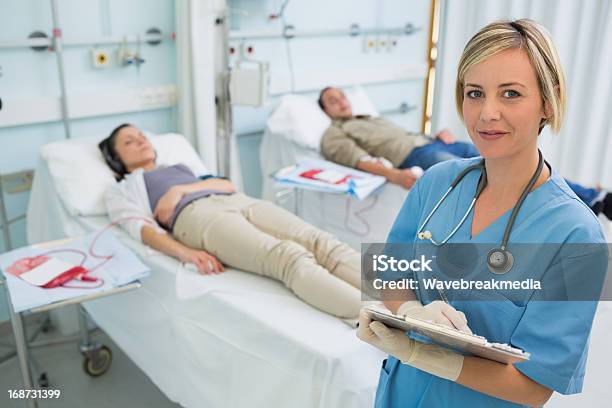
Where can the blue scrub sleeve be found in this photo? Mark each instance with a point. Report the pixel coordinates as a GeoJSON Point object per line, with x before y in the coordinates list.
{"type": "Point", "coordinates": [406, 224]}
{"type": "Point", "coordinates": [403, 231]}
{"type": "Point", "coordinates": [556, 333]}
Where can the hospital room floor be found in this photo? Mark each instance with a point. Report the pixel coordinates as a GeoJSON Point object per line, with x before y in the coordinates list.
{"type": "Point", "coordinates": [123, 385]}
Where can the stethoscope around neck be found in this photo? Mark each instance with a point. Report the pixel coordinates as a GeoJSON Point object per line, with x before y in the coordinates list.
{"type": "Point", "coordinates": [499, 260]}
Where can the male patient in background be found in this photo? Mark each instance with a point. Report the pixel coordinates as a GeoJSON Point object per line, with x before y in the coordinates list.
{"type": "Point", "coordinates": [363, 141]}
{"type": "Point", "coordinates": [377, 146]}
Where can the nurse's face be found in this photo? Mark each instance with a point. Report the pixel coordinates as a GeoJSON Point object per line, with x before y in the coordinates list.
{"type": "Point", "coordinates": [502, 105]}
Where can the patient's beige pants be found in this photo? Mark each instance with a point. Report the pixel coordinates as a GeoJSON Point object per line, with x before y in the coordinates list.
{"type": "Point", "coordinates": [258, 236]}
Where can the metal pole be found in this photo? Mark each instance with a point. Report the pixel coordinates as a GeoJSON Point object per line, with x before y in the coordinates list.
{"type": "Point", "coordinates": [8, 245]}
{"type": "Point", "coordinates": [57, 47]}
{"type": "Point", "coordinates": [356, 31]}
{"type": "Point", "coordinates": [30, 42]}
{"type": "Point", "coordinates": [299, 197]}
{"type": "Point", "coordinates": [87, 41]}
{"type": "Point", "coordinates": [224, 108]}
{"type": "Point", "coordinates": [22, 353]}
{"type": "Point", "coordinates": [85, 345]}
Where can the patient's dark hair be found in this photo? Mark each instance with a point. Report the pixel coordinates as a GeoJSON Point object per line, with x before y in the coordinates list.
{"type": "Point", "coordinates": [107, 147]}
{"type": "Point", "coordinates": [320, 101]}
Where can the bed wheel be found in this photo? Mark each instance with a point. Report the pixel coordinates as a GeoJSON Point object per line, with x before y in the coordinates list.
{"type": "Point", "coordinates": [43, 381]}
{"type": "Point", "coordinates": [98, 361]}
{"type": "Point", "coordinates": [47, 326]}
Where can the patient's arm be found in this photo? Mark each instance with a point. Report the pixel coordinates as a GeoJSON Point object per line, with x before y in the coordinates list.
{"type": "Point", "coordinates": [209, 184]}
{"type": "Point", "coordinates": [168, 202]}
{"type": "Point", "coordinates": [502, 381]}
{"type": "Point", "coordinates": [338, 147]}
{"type": "Point", "coordinates": [402, 177]}
{"type": "Point", "coordinates": [205, 262]}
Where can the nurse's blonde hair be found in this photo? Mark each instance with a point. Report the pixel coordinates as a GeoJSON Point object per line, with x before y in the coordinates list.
{"type": "Point", "coordinates": [535, 40]}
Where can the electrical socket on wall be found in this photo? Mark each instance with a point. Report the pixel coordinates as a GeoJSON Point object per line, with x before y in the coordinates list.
{"type": "Point", "coordinates": [369, 44]}
{"type": "Point", "coordinates": [382, 44]}
{"type": "Point", "coordinates": [100, 58]}
{"type": "Point", "coordinates": [157, 95]}
{"type": "Point", "coordinates": [391, 43]}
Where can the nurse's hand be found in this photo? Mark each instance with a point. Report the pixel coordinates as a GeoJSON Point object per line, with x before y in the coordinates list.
{"type": "Point", "coordinates": [437, 312]}
{"type": "Point", "coordinates": [431, 358]}
{"type": "Point", "coordinates": [391, 341]}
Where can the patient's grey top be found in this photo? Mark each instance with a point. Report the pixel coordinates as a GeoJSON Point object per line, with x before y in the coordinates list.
{"type": "Point", "coordinates": [160, 180]}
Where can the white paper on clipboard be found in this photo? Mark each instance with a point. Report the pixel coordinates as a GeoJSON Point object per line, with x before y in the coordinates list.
{"type": "Point", "coordinates": [449, 337]}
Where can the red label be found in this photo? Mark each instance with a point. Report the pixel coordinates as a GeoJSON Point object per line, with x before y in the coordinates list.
{"type": "Point", "coordinates": [26, 264]}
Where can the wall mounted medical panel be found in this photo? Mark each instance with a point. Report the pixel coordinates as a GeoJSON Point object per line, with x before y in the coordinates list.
{"type": "Point", "coordinates": [159, 67]}
{"type": "Point", "coordinates": [18, 111]}
{"type": "Point", "coordinates": [317, 63]}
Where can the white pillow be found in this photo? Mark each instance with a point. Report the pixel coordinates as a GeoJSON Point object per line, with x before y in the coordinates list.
{"type": "Point", "coordinates": [360, 102]}
{"type": "Point", "coordinates": [301, 120]}
{"type": "Point", "coordinates": [173, 148]}
{"type": "Point", "coordinates": [81, 176]}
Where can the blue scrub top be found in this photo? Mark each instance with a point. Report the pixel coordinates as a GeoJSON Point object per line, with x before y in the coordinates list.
{"type": "Point", "coordinates": [555, 333]}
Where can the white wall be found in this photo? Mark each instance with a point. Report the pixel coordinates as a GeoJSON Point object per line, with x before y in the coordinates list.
{"type": "Point", "coordinates": [318, 62]}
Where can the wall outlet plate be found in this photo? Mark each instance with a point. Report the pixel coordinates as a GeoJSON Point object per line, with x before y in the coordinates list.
{"type": "Point", "coordinates": [100, 58]}
{"type": "Point", "coordinates": [369, 44]}
{"type": "Point", "coordinates": [17, 182]}
{"type": "Point", "coordinates": [391, 43]}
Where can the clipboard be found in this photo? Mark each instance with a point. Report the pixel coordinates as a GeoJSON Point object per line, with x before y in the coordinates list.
{"type": "Point", "coordinates": [452, 338]}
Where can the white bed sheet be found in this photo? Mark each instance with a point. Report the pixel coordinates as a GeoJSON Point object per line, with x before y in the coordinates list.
{"type": "Point", "coordinates": [241, 341]}
{"type": "Point", "coordinates": [340, 215]}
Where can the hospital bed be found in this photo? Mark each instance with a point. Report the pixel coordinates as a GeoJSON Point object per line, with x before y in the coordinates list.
{"type": "Point", "coordinates": [230, 340]}
{"type": "Point", "coordinates": [236, 339]}
{"type": "Point", "coordinates": [293, 133]}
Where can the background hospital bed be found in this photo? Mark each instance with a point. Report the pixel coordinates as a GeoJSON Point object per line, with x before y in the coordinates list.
{"type": "Point", "coordinates": [293, 134]}
{"type": "Point", "coordinates": [240, 340]}
{"type": "Point", "coordinates": [328, 211]}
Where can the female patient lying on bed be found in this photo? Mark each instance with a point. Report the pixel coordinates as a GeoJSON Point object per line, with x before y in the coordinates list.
{"type": "Point", "coordinates": [207, 223]}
